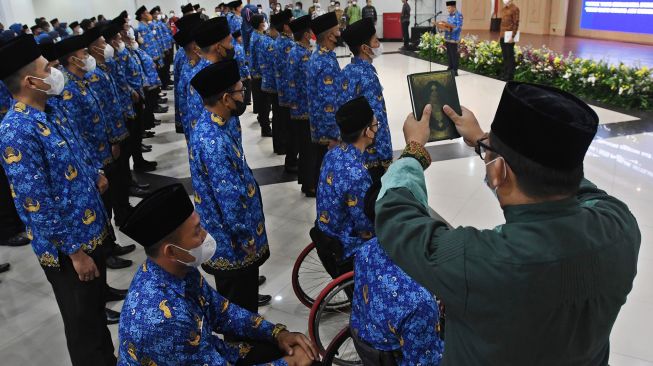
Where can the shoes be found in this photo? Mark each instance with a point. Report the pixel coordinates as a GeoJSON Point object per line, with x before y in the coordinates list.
{"type": "Point", "coordinates": [261, 280]}
{"type": "Point", "coordinates": [160, 109]}
{"type": "Point", "coordinates": [146, 146]}
{"type": "Point", "coordinates": [140, 185]}
{"type": "Point", "coordinates": [145, 166]}
{"type": "Point", "coordinates": [148, 134]}
{"type": "Point", "coordinates": [169, 87]}
{"type": "Point", "coordinates": [266, 132]}
{"type": "Point", "coordinates": [162, 100]}
{"type": "Point", "coordinates": [113, 317]}
{"type": "Point", "coordinates": [114, 262]}
{"type": "Point", "coordinates": [292, 169]}
{"type": "Point", "coordinates": [138, 192]}
{"type": "Point", "coordinates": [17, 240]}
{"type": "Point", "coordinates": [310, 193]}
{"type": "Point", "coordinates": [113, 294]}
{"type": "Point", "coordinates": [280, 152]}
{"type": "Point", "coordinates": [264, 299]}
{"type": "Point", "coordinates": [4, 267]}
{"type": "Point", "coordinates": [163, 95]}
{"type": "Point", "coordinates": [123, 249]}
{"type": "Point", "coordinates": [145, 149]}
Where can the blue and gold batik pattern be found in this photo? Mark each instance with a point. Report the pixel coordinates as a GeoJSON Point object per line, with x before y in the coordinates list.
{"type": "Point", "coordinates": [82, 106]}
{"type": "Point", "coordinates": [359, 78]}
{"type": "Point", "coordinates": [241, 58]}
{"type": "Point", "coordinates": [322, 84]}
{"type": "Point", "coordinates": [105, 88]}
{"type": "Point", "coordinates": [179, 60]}
{"type": "Point", "coordinates": [188, 71]}
{"type": "Point", "coordinates": [168, 320]}
{"type": "Point", "coordinates": [148, 67]}
{"type": "Point", "coordinates": [227, 196]}
{"type": "Point", "coordinates": [392, 312]}
{"type": "Point", "coordinates": [455, 19]}
{"type": "Point", "coordinates": [235, 22]}
{"type": "Point", "coordinates": [133, 70]}
{"type": "Point", "coordinates": [283, 45]}
{"type": "Point", "coordinates": [116, 70]}
{"type": "Point", "coordinates": [296, 71]}
{"type": "Point", "coordinates": [341, 190]}
{"type": "Point", "coordinates": [146, 38]}
{"type": "Point", "coordinates": [266, 60]}
{"type": "Point", "coordinates": [255, 49]}
{"type": "Point", "coordinates": [5, 100]}
{"type": "Point", "coordinates": [53, 186]}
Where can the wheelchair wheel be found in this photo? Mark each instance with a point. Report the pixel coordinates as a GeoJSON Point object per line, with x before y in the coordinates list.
{"type": "Point", "coordinates": [342, 351]}
{"type": "Point", "coordinates": [309, 276]}
{"type": "Point", "coordinates": [331, 310]}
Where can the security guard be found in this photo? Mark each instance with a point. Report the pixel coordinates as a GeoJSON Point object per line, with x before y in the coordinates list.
{"type": "Point", "coordinates": [567, 252]}
{"type": "Point", "coordinates": [360, 78]}
{"type": "Point", "coordinates": [191, 65]}
{"type": "Point", "coordinates": [261, 105]}
{"type": "Point", "coordinates": [172, 314]}
{"type": "Point", "coordinates": [233, 16]}
{"type": "Point", "coordinates": [282, 48]}
{"type": "Point", "coordinates": [322, 84]}
{"type": "Point", "coordinates": [392, 313]}
{"type": "Point", "coordinates": [58, 196]}
{"type": "Point", "coordinates": [344, 180]}
{"type": "Point", "coordinates": [300, 131]}
{"type": "Point", "coordinates": [227, 196]}
{"type": "Point", "coordinates": [270, 98]}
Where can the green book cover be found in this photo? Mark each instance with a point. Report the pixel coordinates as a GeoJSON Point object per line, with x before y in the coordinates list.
{"type": "Point", "coordinates": [436, 88]}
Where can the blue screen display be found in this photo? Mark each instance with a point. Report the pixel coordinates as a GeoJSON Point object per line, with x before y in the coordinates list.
{"type": "Point", "coordinates": [620, 16]}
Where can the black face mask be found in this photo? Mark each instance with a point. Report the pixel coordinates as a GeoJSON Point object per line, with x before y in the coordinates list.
{"type": "Point", "coordinates": [240, 108]}
{"type": "Point", "coordinates": [230, 53]}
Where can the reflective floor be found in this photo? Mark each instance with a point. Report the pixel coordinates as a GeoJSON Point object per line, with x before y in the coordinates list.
{"type": "Point", "coordinates": [31, 330]}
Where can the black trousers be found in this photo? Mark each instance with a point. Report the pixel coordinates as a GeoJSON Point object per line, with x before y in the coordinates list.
{"type": "Point", "coordinates": [264, 108]}
{"type": "Point", "coordinates": [320, 152]}
{"type": "Point", "coordinates": [404, 32]}
{"type": "Point", "coordinates": [290, 145]}
{"type": "Point", "coordinates": [508, 55]}
{"type": "Point", "coordinates": [453, 56]}
{"type": "Point", "coordinates": [82, 308]}
{"type": "Point", "coordinates": [242, 290]}
{"type": "Point", "coordinates": [247, 83]}
{"type": "Point", "coordinates": [301, 137]}
{"type": "Point", "coordinates": [10, 223]}
{"type": "Point", "coordinates": [135, 128]}
{"type": "Point", "coordinates": [151, 98]}
{"type": "Point", "coordinates": [122, 179]}
{"type": "Point", "coordinates": [256, 94]}
{"type": "Point", "coordinates": [278, 125]}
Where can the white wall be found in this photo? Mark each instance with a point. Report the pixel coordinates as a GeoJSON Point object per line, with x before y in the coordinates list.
{"type": "Point", "coordinates": [16, 11]}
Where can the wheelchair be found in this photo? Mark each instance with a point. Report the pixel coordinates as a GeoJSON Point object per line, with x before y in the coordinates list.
{"type": "Point", "coordinates": [348, 350]}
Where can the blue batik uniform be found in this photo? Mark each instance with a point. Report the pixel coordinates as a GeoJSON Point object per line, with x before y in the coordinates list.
{"type": "Point", "coordinates": [392, 312]}
{"type": "Point", "coordinates": [53, 187]}
{"type": "Point", "coordinates": [246, 29]}
{"type": "Point", "coordinates": [296, 69]}
{"type": "Point", "coordinates": [235, 22]}
{"type": "Point", "coordinates": [359, 78]}
{"type": "Point", "coordinates": [164, 33]}
{"type": "Point", "coordinates": [455, 19]}
{"type": "Point", "coordinates": [133, 70]}
{"type": "Point", "coordinates": [179, 60]}
{"type": "Point", "coordinates": [82, 106]}
{"type": "Point", "coordinates": [283, 45]}
{"type": "Point", "coordinates": [148, 66]}
{"type": "Point", "coordinates": [107, 92]}
{"type": "Point", "coordinates": [241, 59]}
{"type": "Point", "coordinates": [117, 72]}
{"type": "Point", "coordinates": [189, 69]}
{"type": "Point", "coordinates": [266, 64]}
{"type": "Point", "coordinates": [147, 40]}
{"type": "Point", "coordinates": [227, 197]}
{"type": "Point", "coordinates": [5, 100]}
{"type": "Point", "coordinates": [255, 49]}
{"type": "Point", "coordinates": [168, 320]}
{"type": "Point", "coordinates": [341, 190]}
{"type": "Point", "coordinates": [322, 84]}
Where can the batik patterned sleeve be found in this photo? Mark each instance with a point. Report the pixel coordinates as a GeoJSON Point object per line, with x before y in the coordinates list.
{"type": "Point", "coordinates": [25, 165]}
{"type": "Point", "coordinates": [421, 342]}
{"type": "Point", "coordinates": [362, 229]}
{"type": "Point", "coordinates": [325, 99]}
{"type": "Point", "coordinates": [242, 64]}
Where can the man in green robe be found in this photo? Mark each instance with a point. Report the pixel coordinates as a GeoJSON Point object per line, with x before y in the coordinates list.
{"type": "Point", "coordinates": [544, 288]}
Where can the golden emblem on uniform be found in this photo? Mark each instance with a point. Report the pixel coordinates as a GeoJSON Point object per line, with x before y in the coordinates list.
{"type": "Point", "coordinates": [89, 217]}
{"type": "Point", "coordinates": [71, 173]}
{"type": "Point", "coordinates": [31, 205]}
{"type": "Point", "coordinates": [12, 156]}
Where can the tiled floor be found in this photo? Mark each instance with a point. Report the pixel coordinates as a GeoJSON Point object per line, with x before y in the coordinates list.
{"type": "Point", "coordinates": [31, 330]}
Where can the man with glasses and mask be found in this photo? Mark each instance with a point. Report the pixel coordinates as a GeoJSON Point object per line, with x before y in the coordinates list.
{"type": "Point", "coordinates": [227, 196]}
{"type": "Point", "coordinates": [57, 193]}
{"type": "Point", "coordinates": [172, 314]}
{"type": "Point", "coordinates": [344, 180]}
{"type": "Point", "coordinates": [360, 78]}
{"type": "Point", "coordinates": [545, 288]}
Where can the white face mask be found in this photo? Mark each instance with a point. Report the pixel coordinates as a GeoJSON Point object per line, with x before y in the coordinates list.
{"type": "Point", "coordinates": [159, 17]}
{"type": "Point", "coordinates": [313, 43]}
{"type": "Point", "coordinates": [134, 45]}
{"type": "Point", "coordinates": [121, 46]}
{"type": "Point", "coordinates": [202, 253]}
{"type": "Point", "coordinates": [266, 26]}
{"type": "Point", "coordinates": [55, 80]}
{"type": "Point", "coordinates": [89, 63]}
{"type": "Point", "coordinates": [172, 14]}
{"type": "Point", "coordinates": [80, 31]}
{"type": "Point", "coordinates": [377, 52]}
{"type": "Point", "coordinates": [487, 182]}
{"type": "Point", "coordinates": [130, 33]}
{"type": "Point", "coordinates": [108, 52]}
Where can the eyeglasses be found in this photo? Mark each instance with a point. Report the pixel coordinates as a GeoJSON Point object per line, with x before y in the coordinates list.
{"type": "Point", "coordinates": [241, 91]}
{"type": "Point", "coordinates": [482, 148]}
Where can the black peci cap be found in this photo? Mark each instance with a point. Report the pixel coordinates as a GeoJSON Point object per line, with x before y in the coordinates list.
{"type": "Point", "coordinates": [256, 20]}
{"type": "Point", "coordinates": [211, 32]}
{"type": "Point", "coordinates": [280, 19]}
{"type": "Point", "coordinates": [187, 8]}
{"type": "Point", "coordinates": [111, 30]}
{"type": "Point", "coordinates": [301, 24]}
{"type": "Point", "coordinates": [216, 78]}
{"type": "Point", "coordinates": [359, 33]}
{"type": "Point", "coordinates": [354, 116]}
{"type": "Point", "coordinates": [49, 51]}
{"type": "Point", "coordinates": [324, 22]}
{"type": "Point", "coordinates": [17, 53]}
{"type": "Point", "coordinates": [234, 4]}
{"type": "Point", "coordinates": [71, 44]}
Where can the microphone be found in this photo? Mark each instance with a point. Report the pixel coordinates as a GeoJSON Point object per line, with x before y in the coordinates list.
{"type": "Point", "coordinates": [438, 13]}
